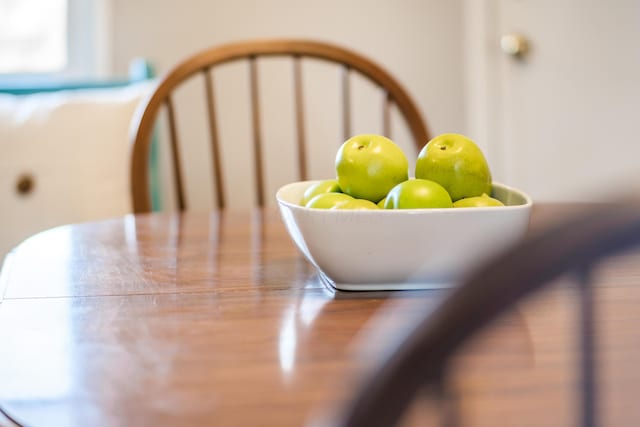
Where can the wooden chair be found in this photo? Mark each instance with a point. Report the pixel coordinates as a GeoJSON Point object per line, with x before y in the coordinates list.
{"type": "Point", "coordinates": [202, 64]}
{"type": "Point", "coordinates": [421, 362]}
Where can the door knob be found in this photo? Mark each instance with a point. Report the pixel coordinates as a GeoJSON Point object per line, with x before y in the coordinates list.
{"type": "Point", "coordinates": [25, 184]}
{"type": "Point", "coordinates": [515, 45]}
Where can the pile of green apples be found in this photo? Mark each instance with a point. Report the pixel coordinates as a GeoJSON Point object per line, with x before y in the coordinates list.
{"type": "Point", "coordinates": [372, 172]}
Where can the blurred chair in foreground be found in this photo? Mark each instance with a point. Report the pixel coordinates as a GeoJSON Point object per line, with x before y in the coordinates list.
{"type": "Point", "coordinates": [576, 247]}
{"type": "Point", "coordinates": [201, 67]}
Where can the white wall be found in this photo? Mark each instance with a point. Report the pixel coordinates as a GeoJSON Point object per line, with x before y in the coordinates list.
{"type": "Point", "coordinates": [560, 121]}
{"type": "Point", "coordinates": [419, 41]}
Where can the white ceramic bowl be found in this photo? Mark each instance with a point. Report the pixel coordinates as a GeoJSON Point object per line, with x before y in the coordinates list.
{"type": "Point", "coordinates": [401, 249]}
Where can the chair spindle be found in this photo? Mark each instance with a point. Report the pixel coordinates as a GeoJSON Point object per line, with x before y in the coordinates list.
{"type": "Point", "coordinates": [386, 115]}
{"type": "Point", "coordinates": [346, 103]}
{"type": "Point", "coordinates": [300, 125]}
{"type": "Point", "coordinates": [587, 346]}
{"type": "Point", "coordinates": [446, 398]}
{"type": "Point", "coordinates": [177, 169]}
{"type": "Point", "coordinates": [213, 134]}
{"type": "Point", "coordinates": [257, 142]}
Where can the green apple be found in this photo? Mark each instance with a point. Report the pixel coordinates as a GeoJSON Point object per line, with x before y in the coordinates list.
{"type": "Point", "coordinates": [368, 166]}
{"type": "Point", "coordinates": [418, 194]}
{"type": "Point", "coordinates": [358, 204]}
{"type": "Point", "coordinates": [326, 186]}
{"type": "Point", "coordinates": [382, 202]}
{"type": "Point", "coordinates": [327, 200]}
{"type": "Point", "coordinates": [457, 163]}
{"type": "Point", "coordinates": [477, 202]}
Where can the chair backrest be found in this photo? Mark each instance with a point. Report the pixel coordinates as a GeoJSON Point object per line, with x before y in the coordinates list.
{"type": "Point", "coordinates": [202, 64]}
{"type": "Point", "coordinates": [422, 360]}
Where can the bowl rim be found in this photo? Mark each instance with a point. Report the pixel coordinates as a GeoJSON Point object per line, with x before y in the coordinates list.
{"type": "Point", "coordinates": [527, 205]}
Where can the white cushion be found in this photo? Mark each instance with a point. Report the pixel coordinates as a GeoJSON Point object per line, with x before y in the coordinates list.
{"type": "Point", "coordinates": [75, 145]}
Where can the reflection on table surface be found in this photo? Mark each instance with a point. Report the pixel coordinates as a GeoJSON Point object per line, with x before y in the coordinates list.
{"type": "Point", "coordinates": [215, 318]}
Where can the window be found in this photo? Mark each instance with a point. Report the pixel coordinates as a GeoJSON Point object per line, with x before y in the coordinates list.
{"type": "Point", "coordinates": [32, 36]}
{"type": "Point", "coordinates": [53, 39]}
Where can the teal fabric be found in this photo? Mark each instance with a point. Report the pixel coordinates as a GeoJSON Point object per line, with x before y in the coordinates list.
{"type": "Point", "coordinates": [18, 88]}
{"type": "Point", "coordinates": [139, 70]}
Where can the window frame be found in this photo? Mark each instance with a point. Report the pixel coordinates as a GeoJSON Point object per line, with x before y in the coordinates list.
{"type": "Point", "coordinates": [89, 24]}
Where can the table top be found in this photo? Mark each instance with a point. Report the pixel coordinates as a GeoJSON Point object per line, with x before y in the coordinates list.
{"type": "Point", "coordinates": [201, 319]}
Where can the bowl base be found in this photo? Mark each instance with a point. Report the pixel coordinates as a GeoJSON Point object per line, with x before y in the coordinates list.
{"type": "Point", "coordinates": [409, 286]}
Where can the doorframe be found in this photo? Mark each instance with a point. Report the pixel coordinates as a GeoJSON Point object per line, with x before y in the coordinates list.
{"type": "Point", "coordinates": [483, 79]}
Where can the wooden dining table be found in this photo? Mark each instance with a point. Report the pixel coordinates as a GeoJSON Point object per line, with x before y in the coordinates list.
{"type": "Point", "coordinates": [215, 318]}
